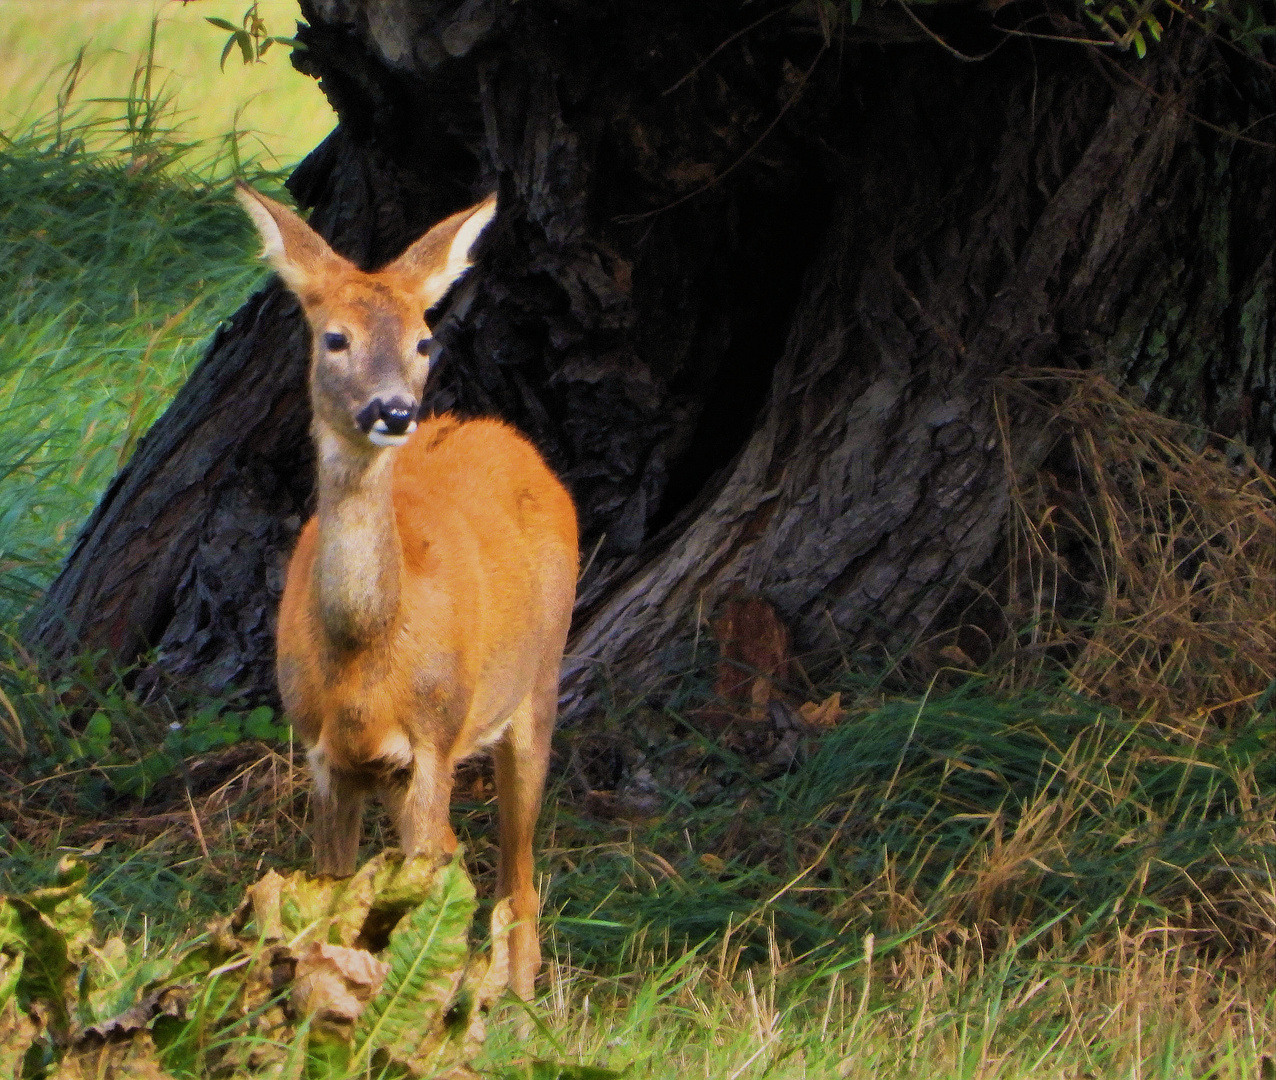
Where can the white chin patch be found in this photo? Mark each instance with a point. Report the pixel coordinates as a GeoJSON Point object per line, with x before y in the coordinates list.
{"type": "Point", "coordinates": [380, 434]}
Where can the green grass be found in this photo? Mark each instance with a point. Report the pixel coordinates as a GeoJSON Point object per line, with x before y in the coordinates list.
{"type": "Point", "coordinates": [116, 263]}
{"type": "Point", "coordinates": [281, 113]}
{"type": "Point", "coordinates": [957, 810]}
{"type": "Point", "coordinates": [955, 884]}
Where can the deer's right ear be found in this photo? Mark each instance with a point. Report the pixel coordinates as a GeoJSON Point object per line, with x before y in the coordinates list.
{"type": "Point", "coordinates": [292, 247]}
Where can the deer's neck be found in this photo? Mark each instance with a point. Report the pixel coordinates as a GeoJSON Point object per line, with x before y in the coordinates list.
{"type": "Point", "coordinates": [360, 558]}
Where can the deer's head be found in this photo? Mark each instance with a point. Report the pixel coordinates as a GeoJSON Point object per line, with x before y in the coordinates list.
{"type": "Point", "coordinates": [370, 340]}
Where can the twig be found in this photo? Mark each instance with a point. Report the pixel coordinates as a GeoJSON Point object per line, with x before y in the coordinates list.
{"type": "Point", "coordinates": [629, 219]}
{"type": "Point", "coordinates": [942, 43]}
{"type": "Point", "coordinates": [734, 37]}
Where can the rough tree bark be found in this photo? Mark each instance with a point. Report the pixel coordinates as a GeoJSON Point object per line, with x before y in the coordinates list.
{"type": "Point", "coordinates": [753, 279]}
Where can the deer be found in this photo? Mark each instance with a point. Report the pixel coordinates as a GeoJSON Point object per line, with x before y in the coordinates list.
{"type": "Point", "coordinates": [427, 601]}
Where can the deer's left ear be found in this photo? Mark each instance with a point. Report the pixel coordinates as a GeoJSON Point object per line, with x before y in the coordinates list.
{"type": "Point", "coordinates": [442, 255]}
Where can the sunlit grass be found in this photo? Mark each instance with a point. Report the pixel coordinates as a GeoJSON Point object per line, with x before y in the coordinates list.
{"type": "Point", "coordinates": [121, 248]}
{"type": "Point", "coordinates": [115, 276]}
{"type": "Point", "coordinates": [282, 113]}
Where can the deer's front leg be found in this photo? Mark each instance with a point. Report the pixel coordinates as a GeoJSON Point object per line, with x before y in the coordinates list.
{"type": "Point", "coordinates": [418, 800]}
{"type": "Point", "coordinates": [522, 757]}
{"type": "Point", "coordinates": [338, 805]}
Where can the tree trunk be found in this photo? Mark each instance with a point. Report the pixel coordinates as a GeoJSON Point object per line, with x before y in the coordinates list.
{"type": "Point", "coordinates": [753, 280]}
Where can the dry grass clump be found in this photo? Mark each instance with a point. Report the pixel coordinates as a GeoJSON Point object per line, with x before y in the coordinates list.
{"type": "Point", "coordinates": [1142, 560]}
{"type": "Point", "coordinates": [1134, 1007]}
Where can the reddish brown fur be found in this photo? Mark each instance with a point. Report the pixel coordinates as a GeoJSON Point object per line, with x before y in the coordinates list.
{"type": "Point", "coordinates": [428, 601]}
{"type": "Point", "coordinates": [474, 595]}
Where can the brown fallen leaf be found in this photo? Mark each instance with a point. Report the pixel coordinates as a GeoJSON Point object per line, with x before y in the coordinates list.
{"type": "Point", "coordinates": [265, 898]}
{"type": "Point", "coordinates": [334, 983]}
{"type": "Point", "coordinates": [487, 977]}
{"type": "Point", "coordinates": [823, 714]}
{"type": "Point", "coordinates": [18, 1030]}
{"type": "Point", "coordinates": [134, 1058]}
{"type": "Point", "coordinates": [497, 975]}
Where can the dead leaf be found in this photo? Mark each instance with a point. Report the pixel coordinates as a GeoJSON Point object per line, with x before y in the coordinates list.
{"type": "Point", "coordinates": [824, 714]}
{"type": "Point", "coordinates": [334, 983]}
{"type": "Point", "coordinates": [120, 1059]}
{"type": "Point", "coordinates": [488, 977]}
{"type": "Point", "coordinates": [753, 654]}
{"type": "Point", "coordinates": [265, 899]}
{"type": "Point", "coordinates": [166, 1001]}
{"type": "Point", "coordinates": [497, 975]}
{"type": "Point", "coordinates": [712, 863]}
{"type": "Point", "coordinates": [18, 1031]}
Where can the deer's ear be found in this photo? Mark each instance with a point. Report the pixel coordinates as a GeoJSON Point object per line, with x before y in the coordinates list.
{"type": "Point", "coordinates": [292, 247]}
{"type": "Point", "coordinates": [442, 255]}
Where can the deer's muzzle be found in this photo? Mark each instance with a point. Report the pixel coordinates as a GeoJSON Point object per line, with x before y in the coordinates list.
{"type": "Point", "coordinates": [388, 422]}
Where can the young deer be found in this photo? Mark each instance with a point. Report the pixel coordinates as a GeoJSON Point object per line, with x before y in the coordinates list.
{"type": "Point", "coordinates": [428, 599]}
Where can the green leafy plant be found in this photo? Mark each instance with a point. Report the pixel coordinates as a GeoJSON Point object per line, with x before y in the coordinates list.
{"type": "Point", "coordinates": [293, 974]}
{"type": "Point", "coordinates": [251, 35]}
{"type": "Point", "coordinates": [210, 728]}
{"type": "Point", "coordinates": [1126, 23]}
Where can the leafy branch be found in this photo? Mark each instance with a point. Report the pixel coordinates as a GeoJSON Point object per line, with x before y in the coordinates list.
{"type": "Point", "coordinates": [252, 37]}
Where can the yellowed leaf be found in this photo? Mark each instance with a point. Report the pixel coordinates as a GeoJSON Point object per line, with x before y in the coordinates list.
{"type": "Point", "coordinates": [712, 863]}
{"type": "Point", "coordinates": [497, 975]}
{"type": "Point", "coordinates": [824, 714]}
{"type": "Point", "coordinates": [264, 895]}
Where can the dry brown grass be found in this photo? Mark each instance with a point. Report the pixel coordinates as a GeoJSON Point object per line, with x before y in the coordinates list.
{"type": "Point", "coordinates": [1137, 1007]}
{"type": "Point", "coordinates": [1143, 559]}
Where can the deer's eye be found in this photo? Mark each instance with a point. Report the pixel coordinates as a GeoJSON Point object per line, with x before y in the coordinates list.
{"type": "Point", "coordinates": [423, 346]}
{"type": "Point", "coordinates": [335, 342]}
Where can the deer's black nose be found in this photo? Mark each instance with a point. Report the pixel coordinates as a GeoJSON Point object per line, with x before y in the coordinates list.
{"type": "Point", "coordinates": [397, 414]}
{"type": "Point", "coordinates": [390, 417]}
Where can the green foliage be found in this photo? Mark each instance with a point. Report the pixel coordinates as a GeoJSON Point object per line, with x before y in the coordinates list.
{"type": "Point", "coordinates": [1126, 22]}
{"type": "Point", "coordinates": [1133, 23]}
{"type": "Point", "coordinates": [228, 1000]}
{"type": "Point", "coordinates": [120, 251]}
{"type": "Point", "coordinates": [913, 803]}
{"type": "Point", "coordinates": [426, 951]}
{"type": "Point", "coordinates": [554, 1070]}
{"type": "Point", "coordinates": [251, 36]}
{"type": "Point", "coordinates": [209, 729]}
{"type": "Point", "coordinates": [123, 747]}
{"type": "Point", "coordinates": [44, 936]}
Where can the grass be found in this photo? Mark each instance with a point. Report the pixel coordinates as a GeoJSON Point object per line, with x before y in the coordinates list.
{"type": "Point", "coordinates": [120, 251]}
{"type": "Point", "coordinates": [966, 882]}
{"type": "Point", "coordinates": [281, 113]}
